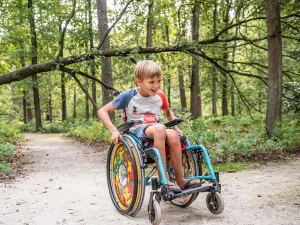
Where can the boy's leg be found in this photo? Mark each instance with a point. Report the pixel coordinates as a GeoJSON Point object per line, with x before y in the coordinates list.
{"type": "Point", "coordinates": [158, 133]}
{"type": "Point", "coordinates": [173, 141]}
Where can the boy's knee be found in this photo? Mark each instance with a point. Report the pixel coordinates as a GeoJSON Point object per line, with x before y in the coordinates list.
{"type": "Point", "coordinates": [172, 136]}
{"type": "Point", "coordinates": [159, 128]}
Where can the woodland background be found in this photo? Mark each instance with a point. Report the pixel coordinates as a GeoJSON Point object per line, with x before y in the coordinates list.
{"type": "Point", "coordinates": [231, 68]}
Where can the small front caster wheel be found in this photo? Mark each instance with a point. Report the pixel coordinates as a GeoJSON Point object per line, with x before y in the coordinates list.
{"type": "Point", "coordinates": [154, 212]}
{"type": "Point", "coordinates": [215, 205]}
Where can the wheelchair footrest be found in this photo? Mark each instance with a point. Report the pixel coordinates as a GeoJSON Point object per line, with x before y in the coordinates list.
{"type": "Point", "coordinates": [193, 191]}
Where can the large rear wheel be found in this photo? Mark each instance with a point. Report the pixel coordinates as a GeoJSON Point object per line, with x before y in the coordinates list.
{"type": "Point", "coordinates": [125, 178]}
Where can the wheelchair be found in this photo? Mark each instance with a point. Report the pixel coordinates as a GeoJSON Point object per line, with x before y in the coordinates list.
{"type": "Point", "coordinates": [128, 173]}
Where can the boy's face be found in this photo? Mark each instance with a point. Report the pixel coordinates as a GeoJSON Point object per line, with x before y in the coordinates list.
{"type": "Point", "coordinates": [149, 86]}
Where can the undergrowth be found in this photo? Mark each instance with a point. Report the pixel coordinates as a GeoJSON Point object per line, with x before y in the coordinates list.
{"type": "Point", "coordinates": [233, 139]}
{"type": "Point", "coordinates": [9, 135]}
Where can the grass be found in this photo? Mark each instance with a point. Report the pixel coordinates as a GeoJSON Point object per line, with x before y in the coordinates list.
{"type": "Point", "coordinates": [229, 167]}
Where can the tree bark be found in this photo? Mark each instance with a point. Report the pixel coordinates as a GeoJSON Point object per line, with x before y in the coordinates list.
{"type": "Point", "coordinates": [274, 105]}
{"type": "Point", "coordinates": [149, 26]}
{"type": "Point", "coordinates": [225, 65]}
{"type": "Point", "coordinates": [50, 106]}
{"type": "Point", "coordinates": [214, 70]}
{"type": "Point", "coordinates": [93, 66]}
{"type": "Point", "coordinates": [36, 97]}
{"type": "Point", "coordinates": [196, 108]}
{"type": "Point", "coordinates": [182, 90]}
{"type": "Point", "coordinates": [74, 104]}
{"type": "Point", "coordinates": [24, 107]}
{"type": "Point", "coordinates": [106, 76]}
{"type": "Point", "coordinates": [62, 80]}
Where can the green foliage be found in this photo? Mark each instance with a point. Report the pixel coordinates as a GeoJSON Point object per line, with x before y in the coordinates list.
{"type": "Point", "coordinates": [59, 127]}
{"type": "Point", "coordinates": [232, 139]}
{"type": "Point", "coordinates": [288, 132]}
{"type": "Point", "coordinates": [92, 131]}
{"type": "Point", "coordinates": [9, 132]}
{"type": "Point", "coordinates": [27, 127]}
{"type": "Point", "coordinates": [230, 167]}
{"type": "Point", "coordinates": [7, 152]}
{"type": "Point", "coordinates": [5, 168]}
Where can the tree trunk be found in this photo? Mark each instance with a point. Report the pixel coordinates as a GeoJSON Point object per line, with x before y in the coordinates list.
{"type": "Point", "coordinates": [106, 76]}
{"type": "Point", "coordinates": [74, 104]}
{"type": "Point", "coordinates": [232, 99]}
{"type": "Point", "coordinates": [22, 60]}
{"type": "Point", "coordinates": [196, 108]}
{"type": "Point", "coordinates": [225, 65]}
{"type": "Point", "coordinates": [274, 105]}
{"type": "Point", "coordinates": [168, 75]}
{"type": "Point", "coordinates": [87, 106]}
{"type": "Point", "coordinates": [149, 26]}
{"type": "Point", "coordinates": [29, 110]}
{"type": "Point", "coordinates": [93, 66]}
{"type": "Point", "coordinates": [50, 106]}
{"type": "Point", "coordinates": [62, 81]}
{"type": "Point", "coordinates": [214, 70]}
{"type": "Point", "coordinates": [36, 97]}
{"type": "Point", "coordinates": [182, 90]}
{"type": "Point", "coordinates": [63, 97]}
{"type": "Point", "coordinates": [24, 107]}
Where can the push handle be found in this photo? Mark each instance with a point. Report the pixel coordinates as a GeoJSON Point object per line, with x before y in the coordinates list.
{"type": "Point", "coordinates": [173, 123]}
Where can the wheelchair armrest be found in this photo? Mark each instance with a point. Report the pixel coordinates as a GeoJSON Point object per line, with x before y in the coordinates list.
{"type": "Point", "coordinates": [125, 126]}
{"type": "Point", "coordinates": [173, 123]}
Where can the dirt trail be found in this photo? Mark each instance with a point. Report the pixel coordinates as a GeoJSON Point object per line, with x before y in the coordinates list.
{"type": "Point", "coordinates": [65, 183]}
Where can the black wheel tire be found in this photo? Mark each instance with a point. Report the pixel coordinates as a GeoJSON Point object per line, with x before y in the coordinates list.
{"type": "Point", "coordinates": [216, 205]}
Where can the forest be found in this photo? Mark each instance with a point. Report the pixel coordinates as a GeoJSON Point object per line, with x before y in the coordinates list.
{"type": "Point", "coordinates": [230, 69]}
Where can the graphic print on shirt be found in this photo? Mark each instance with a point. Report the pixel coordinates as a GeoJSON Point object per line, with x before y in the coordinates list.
{"type": "Point", "coordinates": [134, 112]}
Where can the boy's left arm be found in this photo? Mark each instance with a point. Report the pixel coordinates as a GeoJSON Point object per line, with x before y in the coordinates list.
{"type": "Point", "coordinates": [171, 116]}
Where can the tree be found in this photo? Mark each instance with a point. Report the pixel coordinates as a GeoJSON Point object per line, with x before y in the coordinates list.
{"type": "Point", "coordinates": [106, 76]}
{"type": "Point", "coordinates": [245, 32]}
{"type": "Point", "coordinates": [225, 62]}
{"type": "Point", "coordinates": [214, 70]}
{"type": "Point", "coordinates": [196, 108]}
{"type": "Point", "coordinates": [93, 64]}
{"type": "Point", "coordinates": [274, 105]}
{"type": "Point", "coordinates": [36, 96]}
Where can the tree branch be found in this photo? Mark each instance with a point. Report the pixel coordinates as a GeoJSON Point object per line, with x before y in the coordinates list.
{"type": "Point", "coordinates": [112, 26]}
{"type": "Point", "coordinates": [72, 73]}
{"type": "Point", "coordinates": [61, 41]}
{"type": "Point", "coordinates": [64, 69]}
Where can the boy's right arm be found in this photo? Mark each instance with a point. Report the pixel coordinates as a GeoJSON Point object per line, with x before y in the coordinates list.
{"type": "Point", "coordinates": [104, 117]}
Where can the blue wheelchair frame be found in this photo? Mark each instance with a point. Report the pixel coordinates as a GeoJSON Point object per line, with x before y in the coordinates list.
{"type": "Point", "coordinates": [211, 176]}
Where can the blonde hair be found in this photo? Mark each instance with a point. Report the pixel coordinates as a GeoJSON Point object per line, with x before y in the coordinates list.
{"type": "Point", "coordinates": [147, 68]}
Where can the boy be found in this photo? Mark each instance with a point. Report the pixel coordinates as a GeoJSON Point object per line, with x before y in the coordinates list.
{"type": "Point", "coordinates": [143, 105]}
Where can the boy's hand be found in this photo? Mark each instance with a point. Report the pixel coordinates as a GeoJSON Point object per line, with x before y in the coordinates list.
{"type": "Point", "coordinates": [115, 135]}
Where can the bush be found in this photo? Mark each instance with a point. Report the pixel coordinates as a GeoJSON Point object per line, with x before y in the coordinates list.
{"type": "Point", "coordinates": [7, 152]}
{"type": "Point", "coordinates": [93, 131]}
{"type": "Point", "coordinates": [9, 132]}
{"type": "Point", "coordinates": [243, 138]}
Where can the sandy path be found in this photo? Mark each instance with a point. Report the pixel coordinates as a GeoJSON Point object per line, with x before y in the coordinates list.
{"type": "Point", "coordinates": [66, 184]}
